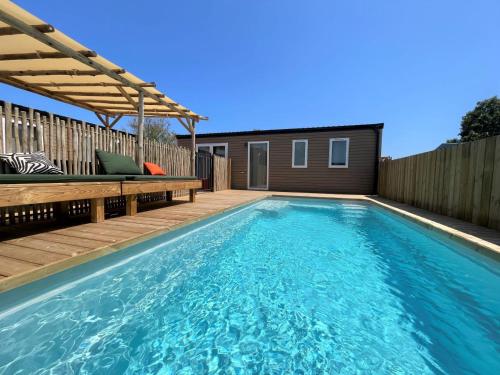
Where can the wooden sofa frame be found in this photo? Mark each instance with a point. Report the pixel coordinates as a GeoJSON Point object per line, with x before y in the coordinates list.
{"type": "Point", "coordinates": [38, 193]}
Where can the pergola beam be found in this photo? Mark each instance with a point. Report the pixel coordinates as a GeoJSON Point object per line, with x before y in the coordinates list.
{"type": "Point", "coordinates": [90, 84]}
{"type": "Point", "coordinates": [104, 101]}
{"type": "Point", "coordinates": [21, 73]}
{"type": "Point", "coordinates": [129, 97]}
{"type": "Point", "coordinates": [128, 109]}
{"type": "Point", "coordinates": [115, 120]}
{"type": "Point", "coordinates": [104, 120]}
{"type": "Point", "coordinates": [44, 28]}
{"type": "Point", "coordinates": [41, 55]}
{"type": "Point", "coordinates": [152, 114]}
{"type": "Point", "coordinates": [46, 39]}
{"type": "Point", "coordinates": [107, 94]}
{"type": "Point", "coordinates": [185, 123]}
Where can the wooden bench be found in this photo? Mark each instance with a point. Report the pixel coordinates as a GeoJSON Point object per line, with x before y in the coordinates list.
{"type": "Point", "coordinates": [56, 192]}
{"type": "Point", "coordinates": [19, 190]}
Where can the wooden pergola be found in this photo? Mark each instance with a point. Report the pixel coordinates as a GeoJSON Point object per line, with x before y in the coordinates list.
{"type": "Point", "coordinates": [36, 57]}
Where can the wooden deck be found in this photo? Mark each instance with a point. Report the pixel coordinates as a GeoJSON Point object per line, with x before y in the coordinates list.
{"type": "Point", "coordinates": [26, 255]}
{"type": "Point", "coordinates": [30, 254]}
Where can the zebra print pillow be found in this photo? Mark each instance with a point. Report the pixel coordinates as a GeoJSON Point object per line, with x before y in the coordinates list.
{"type": "Point", "coordinates": [35, 163]}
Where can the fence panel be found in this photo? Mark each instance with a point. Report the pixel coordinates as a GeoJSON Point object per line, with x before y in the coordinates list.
{"type": "Point", "coordinates": [222, 173]}
{"type": "Point", "coordinates": [71, 145]}
{"type": "Point", "coordinates": [461, 181]}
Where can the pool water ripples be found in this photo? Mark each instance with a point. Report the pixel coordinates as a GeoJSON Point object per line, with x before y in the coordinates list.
{"type": "Point", "coordinates": [285, 286]}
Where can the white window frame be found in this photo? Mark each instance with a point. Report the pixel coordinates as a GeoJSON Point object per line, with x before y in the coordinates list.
{"type": "Point", "coordinates": [306, 153]}
{"type": "Point", "coordinates": [248, 165]}
{"type": "Point", "coordinates": [211, 147]}
{"type": "Point", "coordinates": [346, 151]}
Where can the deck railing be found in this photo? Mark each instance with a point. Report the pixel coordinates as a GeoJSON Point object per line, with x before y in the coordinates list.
{"type": "Point", "coordinates": [71, 145]}
{"type": "Point", "coordinates": [461, 181]}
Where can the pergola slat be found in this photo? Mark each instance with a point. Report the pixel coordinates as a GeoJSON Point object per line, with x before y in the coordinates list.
{"type": "Point", "coordinates": [106, 94]}
{"type": "Point", "coordinates": [75, 72]}
{"type": "Point", "coordinates": [104, 101]}
{"type": "Point", "coordinates": [44, 28]}
{"type": "Point", "coordinates": [41, 55]}
{"type": "Point", "coordinates": [90, 84]}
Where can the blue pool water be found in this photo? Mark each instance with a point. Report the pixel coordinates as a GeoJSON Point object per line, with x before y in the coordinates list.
{"type": "Point", "coordinates": [279, 287]}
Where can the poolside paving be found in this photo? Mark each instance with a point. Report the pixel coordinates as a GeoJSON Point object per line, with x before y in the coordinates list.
{"type": "Point", "coordinates": [30, 254]}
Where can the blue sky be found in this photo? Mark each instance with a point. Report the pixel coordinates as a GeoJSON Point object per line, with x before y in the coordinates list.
{"type": "Point", "coordinates": [417, 66]}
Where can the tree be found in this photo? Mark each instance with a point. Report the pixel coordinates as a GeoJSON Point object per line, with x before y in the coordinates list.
{"type": "Point", "coordinates": [483, 121]}
{"type": "Point", "coordinates": [155, 128]}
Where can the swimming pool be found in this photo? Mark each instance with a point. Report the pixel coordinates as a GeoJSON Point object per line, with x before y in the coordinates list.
{"type": "Point", "coordinates": [293, 286]}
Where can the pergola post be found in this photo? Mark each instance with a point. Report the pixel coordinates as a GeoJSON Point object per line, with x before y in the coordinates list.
{"type": "Point", "coordinates": [193, 148]}
{"type": "Point", "coordinates": [192, 127]}
{"type": "Point", "coordinates": [140, 132]}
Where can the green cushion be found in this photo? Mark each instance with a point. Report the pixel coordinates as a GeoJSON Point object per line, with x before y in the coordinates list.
{"type": "Point", "coordinates": [117, 164]}
{"type": "Point", "coordinates": [48, 178]}
{"type": "Point", "coordinates": [160, 178]}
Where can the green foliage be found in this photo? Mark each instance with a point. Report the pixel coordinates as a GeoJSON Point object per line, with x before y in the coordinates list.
{"type": "Point", "coordinates": [483, 121]}
{"type": "Point", "coordinates": [156, 128]}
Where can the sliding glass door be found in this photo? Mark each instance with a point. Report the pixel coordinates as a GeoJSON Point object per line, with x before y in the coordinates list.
{"type": "Point", "coordinates": [258, 165]}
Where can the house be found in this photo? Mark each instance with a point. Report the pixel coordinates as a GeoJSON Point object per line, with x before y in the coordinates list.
{"type": "Point", "coordinates": [330, 159]}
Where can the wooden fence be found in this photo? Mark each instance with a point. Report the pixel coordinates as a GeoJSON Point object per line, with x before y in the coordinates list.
{"type": "Point", "coordinates": [461, 181]}
{"type": "Point", "coordinates": [71, 145]}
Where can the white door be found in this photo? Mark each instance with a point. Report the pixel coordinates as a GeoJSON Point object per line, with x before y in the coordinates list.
{"type": "Point", "coordinates": [258, 165]}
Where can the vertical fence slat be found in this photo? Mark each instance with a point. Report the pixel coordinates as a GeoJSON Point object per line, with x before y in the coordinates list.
{"type": "Point", "coordinates": [24, 132]}
{"type": "Point", "coordinates": [39, 133]}
{"type": "Point", "coordinates": [16, 130]}
{"type": "Point", "coordinates": [8, 127]}
{"type": "Point", "coordinates": [31, 117]}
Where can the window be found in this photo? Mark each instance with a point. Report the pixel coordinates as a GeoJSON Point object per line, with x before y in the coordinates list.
{"type": "Point", "coordinates": [219, 149]}
{"type": "Point", "coordinates": [299, 153]}
{"type": "Point", "coordinates": [339, 153]}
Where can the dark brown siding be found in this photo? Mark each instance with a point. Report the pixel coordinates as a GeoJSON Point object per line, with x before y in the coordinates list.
{"type": "Point", "coordinates": [358, 178]}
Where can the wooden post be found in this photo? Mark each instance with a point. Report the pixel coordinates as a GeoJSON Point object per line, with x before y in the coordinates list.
{"type": "Point", "coordinates": [193, 148]}
{"type": "Point", "coordinates": [169, 196]}
{"type": "Point", "coordinates": [192, 192]}
{"type": "Point", "coordinates": [97, 210]}
{"type": "Point", "coordinates": [131, 205]}
{"type": "Point", "coordinates": [140, 132]}
{"type": "Point", "coordinates": [213, 170]}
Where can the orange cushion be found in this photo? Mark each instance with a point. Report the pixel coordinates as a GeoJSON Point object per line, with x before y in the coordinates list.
{"type": "Point", "coordinates": [154, 169]}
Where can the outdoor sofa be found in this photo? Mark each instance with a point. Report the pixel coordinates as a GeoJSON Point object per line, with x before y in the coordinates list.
{"type": "Point", "coordinates": [24, 189]}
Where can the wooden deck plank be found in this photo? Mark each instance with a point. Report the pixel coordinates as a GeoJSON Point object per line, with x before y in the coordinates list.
{"type": "Point", "coordinates": [112, 228]}
{"type": "Point", "coordinates": [155, 223]}
{"type": "Point", "coordinates": [30, 255]}
{"type": "Point", "coordinates": [42, 244]}
{"type": "Point", "coordinates": [132, 227]}
{"type": "Point", "coordinates": [109, 238]}
{"type": "Point", "coordinates": [10, 267]}
{"type": "Point", "coordinates": [88, 243]}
